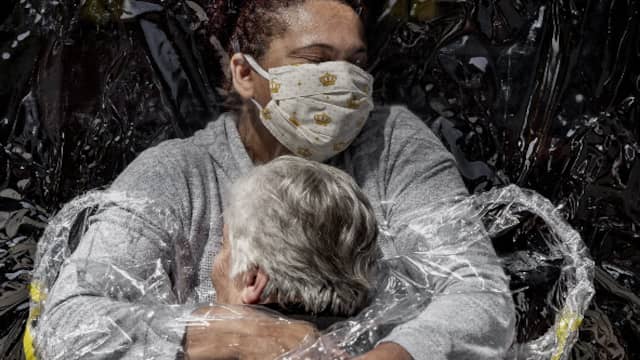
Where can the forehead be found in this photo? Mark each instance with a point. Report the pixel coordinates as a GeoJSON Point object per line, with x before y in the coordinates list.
{"type": "Point", "coordinates": [323, 21]}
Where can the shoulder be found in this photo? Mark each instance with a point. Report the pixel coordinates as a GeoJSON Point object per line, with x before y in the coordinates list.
{"type": "Point", "coordinates": [389, 125]}
{"type": "Point", "coordinates": [174, 159]}
{"type": "Point", "coordinates": [170, 153]}
{"type": "Point", "coordinates": [202, 144]}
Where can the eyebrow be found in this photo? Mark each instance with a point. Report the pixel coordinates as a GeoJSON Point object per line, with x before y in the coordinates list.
{"type": "Point", "coordinates": [326, 47]}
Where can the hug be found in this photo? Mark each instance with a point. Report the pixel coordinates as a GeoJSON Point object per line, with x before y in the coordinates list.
{"type": "Point", "coordinates": [245, 223]}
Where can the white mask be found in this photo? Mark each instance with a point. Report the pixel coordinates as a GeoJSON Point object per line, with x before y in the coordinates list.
{"type": "Point", "coordinates": [316, 110]}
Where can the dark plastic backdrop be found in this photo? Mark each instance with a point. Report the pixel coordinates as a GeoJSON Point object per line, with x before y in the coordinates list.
{"type": "Point", "coordinates": [542, 94]}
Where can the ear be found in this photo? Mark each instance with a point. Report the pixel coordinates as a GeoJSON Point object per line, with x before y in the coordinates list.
{"type": "Point", "coordinates": [241, 76]}
{"type": "Point", "coordinates": [255, 280]}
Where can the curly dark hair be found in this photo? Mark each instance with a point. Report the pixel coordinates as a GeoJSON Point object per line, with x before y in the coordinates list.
{"type": "Point", "coordinates": [249, 25]}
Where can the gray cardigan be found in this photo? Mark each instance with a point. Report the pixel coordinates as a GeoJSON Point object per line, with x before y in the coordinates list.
{"type": "Point", "coordinates": [164, 253]}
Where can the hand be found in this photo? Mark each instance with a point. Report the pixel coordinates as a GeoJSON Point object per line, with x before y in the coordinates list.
{"type": "Point", "coordinates": [239, 332]}
{"type": "Point", "coordinates": [388, 351]}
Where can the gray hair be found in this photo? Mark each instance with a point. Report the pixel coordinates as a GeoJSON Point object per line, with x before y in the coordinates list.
{"type": "Point", "coordinates": [310, 228]}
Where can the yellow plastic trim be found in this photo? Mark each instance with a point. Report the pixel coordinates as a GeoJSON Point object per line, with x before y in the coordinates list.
{"type": "Point", "coordinates": [27, 341]}
{"type": "Point", "coordinates": [568, 323]}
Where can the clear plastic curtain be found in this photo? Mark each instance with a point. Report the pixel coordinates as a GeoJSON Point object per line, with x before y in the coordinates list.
{"type": "Point", "coordinates": [447, 229]}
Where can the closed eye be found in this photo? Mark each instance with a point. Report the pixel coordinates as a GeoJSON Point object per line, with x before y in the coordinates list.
{"type": "Point", "coordinates": [315, 53]}
{"type": "Point", "coordinates": [311, 59]}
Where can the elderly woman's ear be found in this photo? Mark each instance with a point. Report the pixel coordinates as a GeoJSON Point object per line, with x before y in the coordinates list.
{"type": "Point", "coordinates": [254, 282]}
{"type": "Point", "coordinates": [241, 76]}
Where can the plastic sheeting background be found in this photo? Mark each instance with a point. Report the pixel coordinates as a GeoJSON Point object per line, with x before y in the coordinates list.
{"type": "Point", "coordinates": [542, 94]}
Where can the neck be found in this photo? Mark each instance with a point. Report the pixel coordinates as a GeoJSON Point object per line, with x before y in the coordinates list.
{"type": "Point", "coordinates": [261, 146]}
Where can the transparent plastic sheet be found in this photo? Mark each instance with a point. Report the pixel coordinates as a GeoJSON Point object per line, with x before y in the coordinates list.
{"type": "Point", "coordinates": [399, 298]}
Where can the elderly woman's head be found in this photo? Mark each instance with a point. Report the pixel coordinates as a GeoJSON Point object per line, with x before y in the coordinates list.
{"type": "Point", "coordinates": [314, 109]}
{"type": "Point", "coordinates": [297, 233]}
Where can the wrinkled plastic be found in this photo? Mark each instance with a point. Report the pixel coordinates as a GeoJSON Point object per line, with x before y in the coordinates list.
{"type": "Point", "coordinates": [447, 229]}
{"type": "Point", "coordinates": [538, 93]}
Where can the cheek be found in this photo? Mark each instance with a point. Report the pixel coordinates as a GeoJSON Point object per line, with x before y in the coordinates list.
{"type": "Point", "coordinates": [262, 92]}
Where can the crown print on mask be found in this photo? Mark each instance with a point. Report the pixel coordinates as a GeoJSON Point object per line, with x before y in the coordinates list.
{"type": "Point", "coordinates": [338, 147]}
{"type": "Point", "coordinates": [328, 79]}
{"type": "Point", "coordinates": [274, 86]}
{"type": "Point", "coordinates": [266, 114]}
{"type": "Point", "coordinates": [294, 120]}
{"type": "Point", "coordinates": [322, 119]}
{"type": "Point", "coordinates": [353, 103]}
{"type": "Point", "coordinates": [304, 152]}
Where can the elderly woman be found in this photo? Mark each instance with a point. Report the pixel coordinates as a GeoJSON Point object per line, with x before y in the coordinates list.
{"type": "Point", "coordinates": [295, 70]}
{"type": "Point", "coordinates": [299, 237]}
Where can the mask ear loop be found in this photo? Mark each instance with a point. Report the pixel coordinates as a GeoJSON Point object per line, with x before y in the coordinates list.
{"type": "Point", "coordinates": [256, 67]}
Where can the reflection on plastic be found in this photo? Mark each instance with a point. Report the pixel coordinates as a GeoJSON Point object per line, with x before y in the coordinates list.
{"type": "Point", "coordinates": [447, 228]}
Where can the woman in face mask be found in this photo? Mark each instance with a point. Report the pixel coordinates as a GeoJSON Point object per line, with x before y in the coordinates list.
{"type": "Point", "coordinates": [297, 85]}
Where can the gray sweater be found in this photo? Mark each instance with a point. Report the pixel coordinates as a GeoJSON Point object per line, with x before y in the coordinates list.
{"type": "Point", "coordinates": [136, 274]}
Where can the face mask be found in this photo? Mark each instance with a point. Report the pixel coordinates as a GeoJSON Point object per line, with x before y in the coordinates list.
{"type": "Point", "coordinates": [316, 110]}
